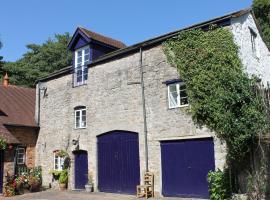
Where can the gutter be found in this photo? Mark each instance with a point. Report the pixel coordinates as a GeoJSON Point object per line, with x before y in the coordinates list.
{"type": "Point", "coordinates": [148, 43]}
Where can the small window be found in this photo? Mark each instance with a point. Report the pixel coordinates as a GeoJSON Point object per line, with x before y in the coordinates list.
{"type": "Point", "coordinates": [82, 58]}
{"type": "Point", "coordinates": [177, 95]}
{"type": "Point", "coordinates": [58, 162]}
{"type": "Point", "coordinates": [20, 156]}
{"type": "Point", "coordinates": [254, 43]}
{"type": "Point", "coordinates": [80, 117]}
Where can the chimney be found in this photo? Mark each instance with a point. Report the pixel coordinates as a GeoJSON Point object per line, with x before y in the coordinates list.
{"type": "Point", "coordinates": [6, 80]}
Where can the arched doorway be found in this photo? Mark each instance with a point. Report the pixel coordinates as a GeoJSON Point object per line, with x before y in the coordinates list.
{"type": "Point", "coordinates": [80, 169]}
{"type": "Point", "coordinates": [118, 162]}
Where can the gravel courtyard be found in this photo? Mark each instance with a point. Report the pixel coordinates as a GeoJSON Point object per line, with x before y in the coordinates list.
{"type": "Point", "coordinates": [74, 195]}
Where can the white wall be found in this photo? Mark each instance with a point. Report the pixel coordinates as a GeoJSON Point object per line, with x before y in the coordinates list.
{"type": "Point", "coordinates": [254, 65]}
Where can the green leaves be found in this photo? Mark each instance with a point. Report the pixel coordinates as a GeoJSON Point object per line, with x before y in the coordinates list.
{"type": "Point", "coordinates": [220, 93]}
{"type": "Point", "coordinates": [261, 10]}
{"type": "Point", "coordinates": [218, 185]}
{"type": "Point", "coordinates": [39, 61]}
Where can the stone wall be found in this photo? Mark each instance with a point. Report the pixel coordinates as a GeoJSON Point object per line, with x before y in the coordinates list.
{"type": "Point", "coordinates": [112, 97]}
{"type": "Point", "coordinates": [259, 64]}
{"type": "Point", "coordinates": [113, 102]}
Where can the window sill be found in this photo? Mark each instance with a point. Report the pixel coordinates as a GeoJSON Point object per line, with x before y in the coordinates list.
{"type": "Point", "coordinates": [74, 86]}
{"type": "Point", "coordinates": [182, 106]}
{"type": "Point", "coordinates": [80, 128]}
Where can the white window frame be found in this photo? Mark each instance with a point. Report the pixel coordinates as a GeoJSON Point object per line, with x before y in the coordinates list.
{"type": "Point", "coordinates": [80, 111]}
{"type": "Point", "coordinates": [60, 162]}
{"type": "Point", "coordinates": [83, 66]}
{"type": "Point", "coordinates": [178, 84]}
{"type": "Point", "coordinates": [17, 156]}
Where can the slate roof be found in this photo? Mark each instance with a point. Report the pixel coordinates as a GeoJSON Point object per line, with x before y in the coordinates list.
{"type": "Point", "coordinates": [104, 39]}
{"type": "Point", "coordinates": [17, 106]}
{"type": "Point", "coordinates": [221, 21]}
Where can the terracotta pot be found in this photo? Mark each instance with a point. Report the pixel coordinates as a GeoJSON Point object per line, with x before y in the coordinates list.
{"type": "Point", "coordinates": [62, 186]}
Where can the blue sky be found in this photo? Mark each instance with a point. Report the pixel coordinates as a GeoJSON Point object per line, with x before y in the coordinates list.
{"type": "Point", "coordinates": [131, 21]}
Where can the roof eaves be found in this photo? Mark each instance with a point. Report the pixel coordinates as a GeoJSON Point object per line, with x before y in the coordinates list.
{"type": "Point", "coordinates": [153, 41]}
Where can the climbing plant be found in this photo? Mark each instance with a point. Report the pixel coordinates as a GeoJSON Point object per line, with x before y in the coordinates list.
{"type": "Point", "coordinates": [261, 10]}
{"type": "Point", "coordinates": [3, 144]}
{"type": "Point", "coordinates": [220, 92]}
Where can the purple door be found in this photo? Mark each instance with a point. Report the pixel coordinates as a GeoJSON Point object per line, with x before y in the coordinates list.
{"type": "Point", "coordinates": [81, 169]}
{"type": "Point", "coordinates": [118, 162]}
{"type": "Point", "coordinates": [1, 169]}
{"type": "Point", "coordinates": [185, 165]}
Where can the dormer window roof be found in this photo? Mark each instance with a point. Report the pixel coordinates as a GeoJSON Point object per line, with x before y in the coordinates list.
{"type": "Point", "coordinates": [83, 36]}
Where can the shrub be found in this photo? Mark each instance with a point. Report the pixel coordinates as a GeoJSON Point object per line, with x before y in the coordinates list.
{"type": "Point", "coordinates": [63, 178]}
{"type": "Point", "coordinates": [218, 185]}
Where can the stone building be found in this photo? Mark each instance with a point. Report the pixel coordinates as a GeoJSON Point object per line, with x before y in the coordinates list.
{"type": "Point", "coordinates": [94, 110]}
{"type": "Point", "coordinates": [17, 127]}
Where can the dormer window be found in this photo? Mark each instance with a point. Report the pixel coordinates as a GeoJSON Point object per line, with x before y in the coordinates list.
{"type": "Point", "coordinates": [82, 58]}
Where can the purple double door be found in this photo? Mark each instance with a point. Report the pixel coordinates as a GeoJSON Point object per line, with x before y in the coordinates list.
{"type": "Point", "coordinates": [118, 162]}
{"type": "Point", "coordinates": [185, 165]}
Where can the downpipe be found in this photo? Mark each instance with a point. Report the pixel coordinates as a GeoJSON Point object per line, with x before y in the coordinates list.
{"type": "Point", "coordinates": [144, 113]}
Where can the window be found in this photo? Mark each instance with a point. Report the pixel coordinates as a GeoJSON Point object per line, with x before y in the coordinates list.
{"type": "Point", "coordinates": [82, 58]}
{"type": "Point", "coordinates": [80, 117]}
{"type": "Point", "coordinates": [254, 45]}
{"type": "Point", "coordinates": [58, 162]}
{"type": "Point", "coordinates": [21, 156]}
{"type": "Point", "coordinates": [177, 95]}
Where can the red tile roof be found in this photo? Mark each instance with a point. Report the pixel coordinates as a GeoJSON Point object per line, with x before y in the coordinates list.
{"type": "Point", "coordinates": [18, 108]}
{"type": "Point", "coordinates": [104, 39]}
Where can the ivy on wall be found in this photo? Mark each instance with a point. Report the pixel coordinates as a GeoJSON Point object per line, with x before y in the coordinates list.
{"type": "Point", "coordinates": [220, 92]}
{"type": "Point", "coordinates": [3, 144]}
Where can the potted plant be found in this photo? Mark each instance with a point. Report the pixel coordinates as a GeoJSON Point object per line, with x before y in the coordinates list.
{"type": "Point", "coordinates": [89, 187]}
{"type": "Point", "coordinates": [63, 180]}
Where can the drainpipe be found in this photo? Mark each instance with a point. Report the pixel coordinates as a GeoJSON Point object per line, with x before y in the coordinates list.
{"type": "Point", "coordinates": [44, 89]}
{"type": "Point", "coordinates": [38, 111]}
{"type": "Point", "coordinates": [144, 114]}
{"type": "Point", "coordinates": [38, 114]}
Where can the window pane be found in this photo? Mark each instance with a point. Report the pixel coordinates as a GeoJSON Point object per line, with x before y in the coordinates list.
{"type": "Point", "coordinates": [79, 75]}
{"type": "Point", "coordinates": [173, 99]}
{"type": "Point", "coordinates": [79, 59]}
{"type": "Point", "coordinates": [173, 88]}
{"type": "Point", "coordinates": [55, 163]}
{"type": "Point", "coordinates": [86, 59]}
{"type": "Point", "coordinates": [184, 101]}
{"type": "Point", "coordinates": [87, 51]}
{"type": "Point", "coordinates": [85, 73]}
{"type": "Point", "coordinates": [61, 160]}
{"type": "Point", "coordinates": [20, 155]}
{"type": "Point", "coordinates": [83, 123]}
{"type": "Point", "coordinates": [20, 151]}
{"type": "Point", "coordinates": [183, 93]}
{"type": "Point", "coordinates": [79, 53]}
{"type": "Point", "coordinates": [77, 122]}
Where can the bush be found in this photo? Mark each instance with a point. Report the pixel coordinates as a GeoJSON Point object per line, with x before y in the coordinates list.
{"type": "Point", "coordinates": [218, 185]}
{"type": "Point", "coordinates": [63, 178]}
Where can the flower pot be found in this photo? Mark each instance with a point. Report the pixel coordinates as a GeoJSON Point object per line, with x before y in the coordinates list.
{"type": "Point", "coordinates": [62, 186]}
{"type": "Point", "coordinates": [89, 188]}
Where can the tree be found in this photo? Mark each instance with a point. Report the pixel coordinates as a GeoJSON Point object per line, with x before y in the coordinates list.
{"type": "Point", "coordinates": [39, 61]}
{"type": "Point", "coordinates": [261, 10]}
